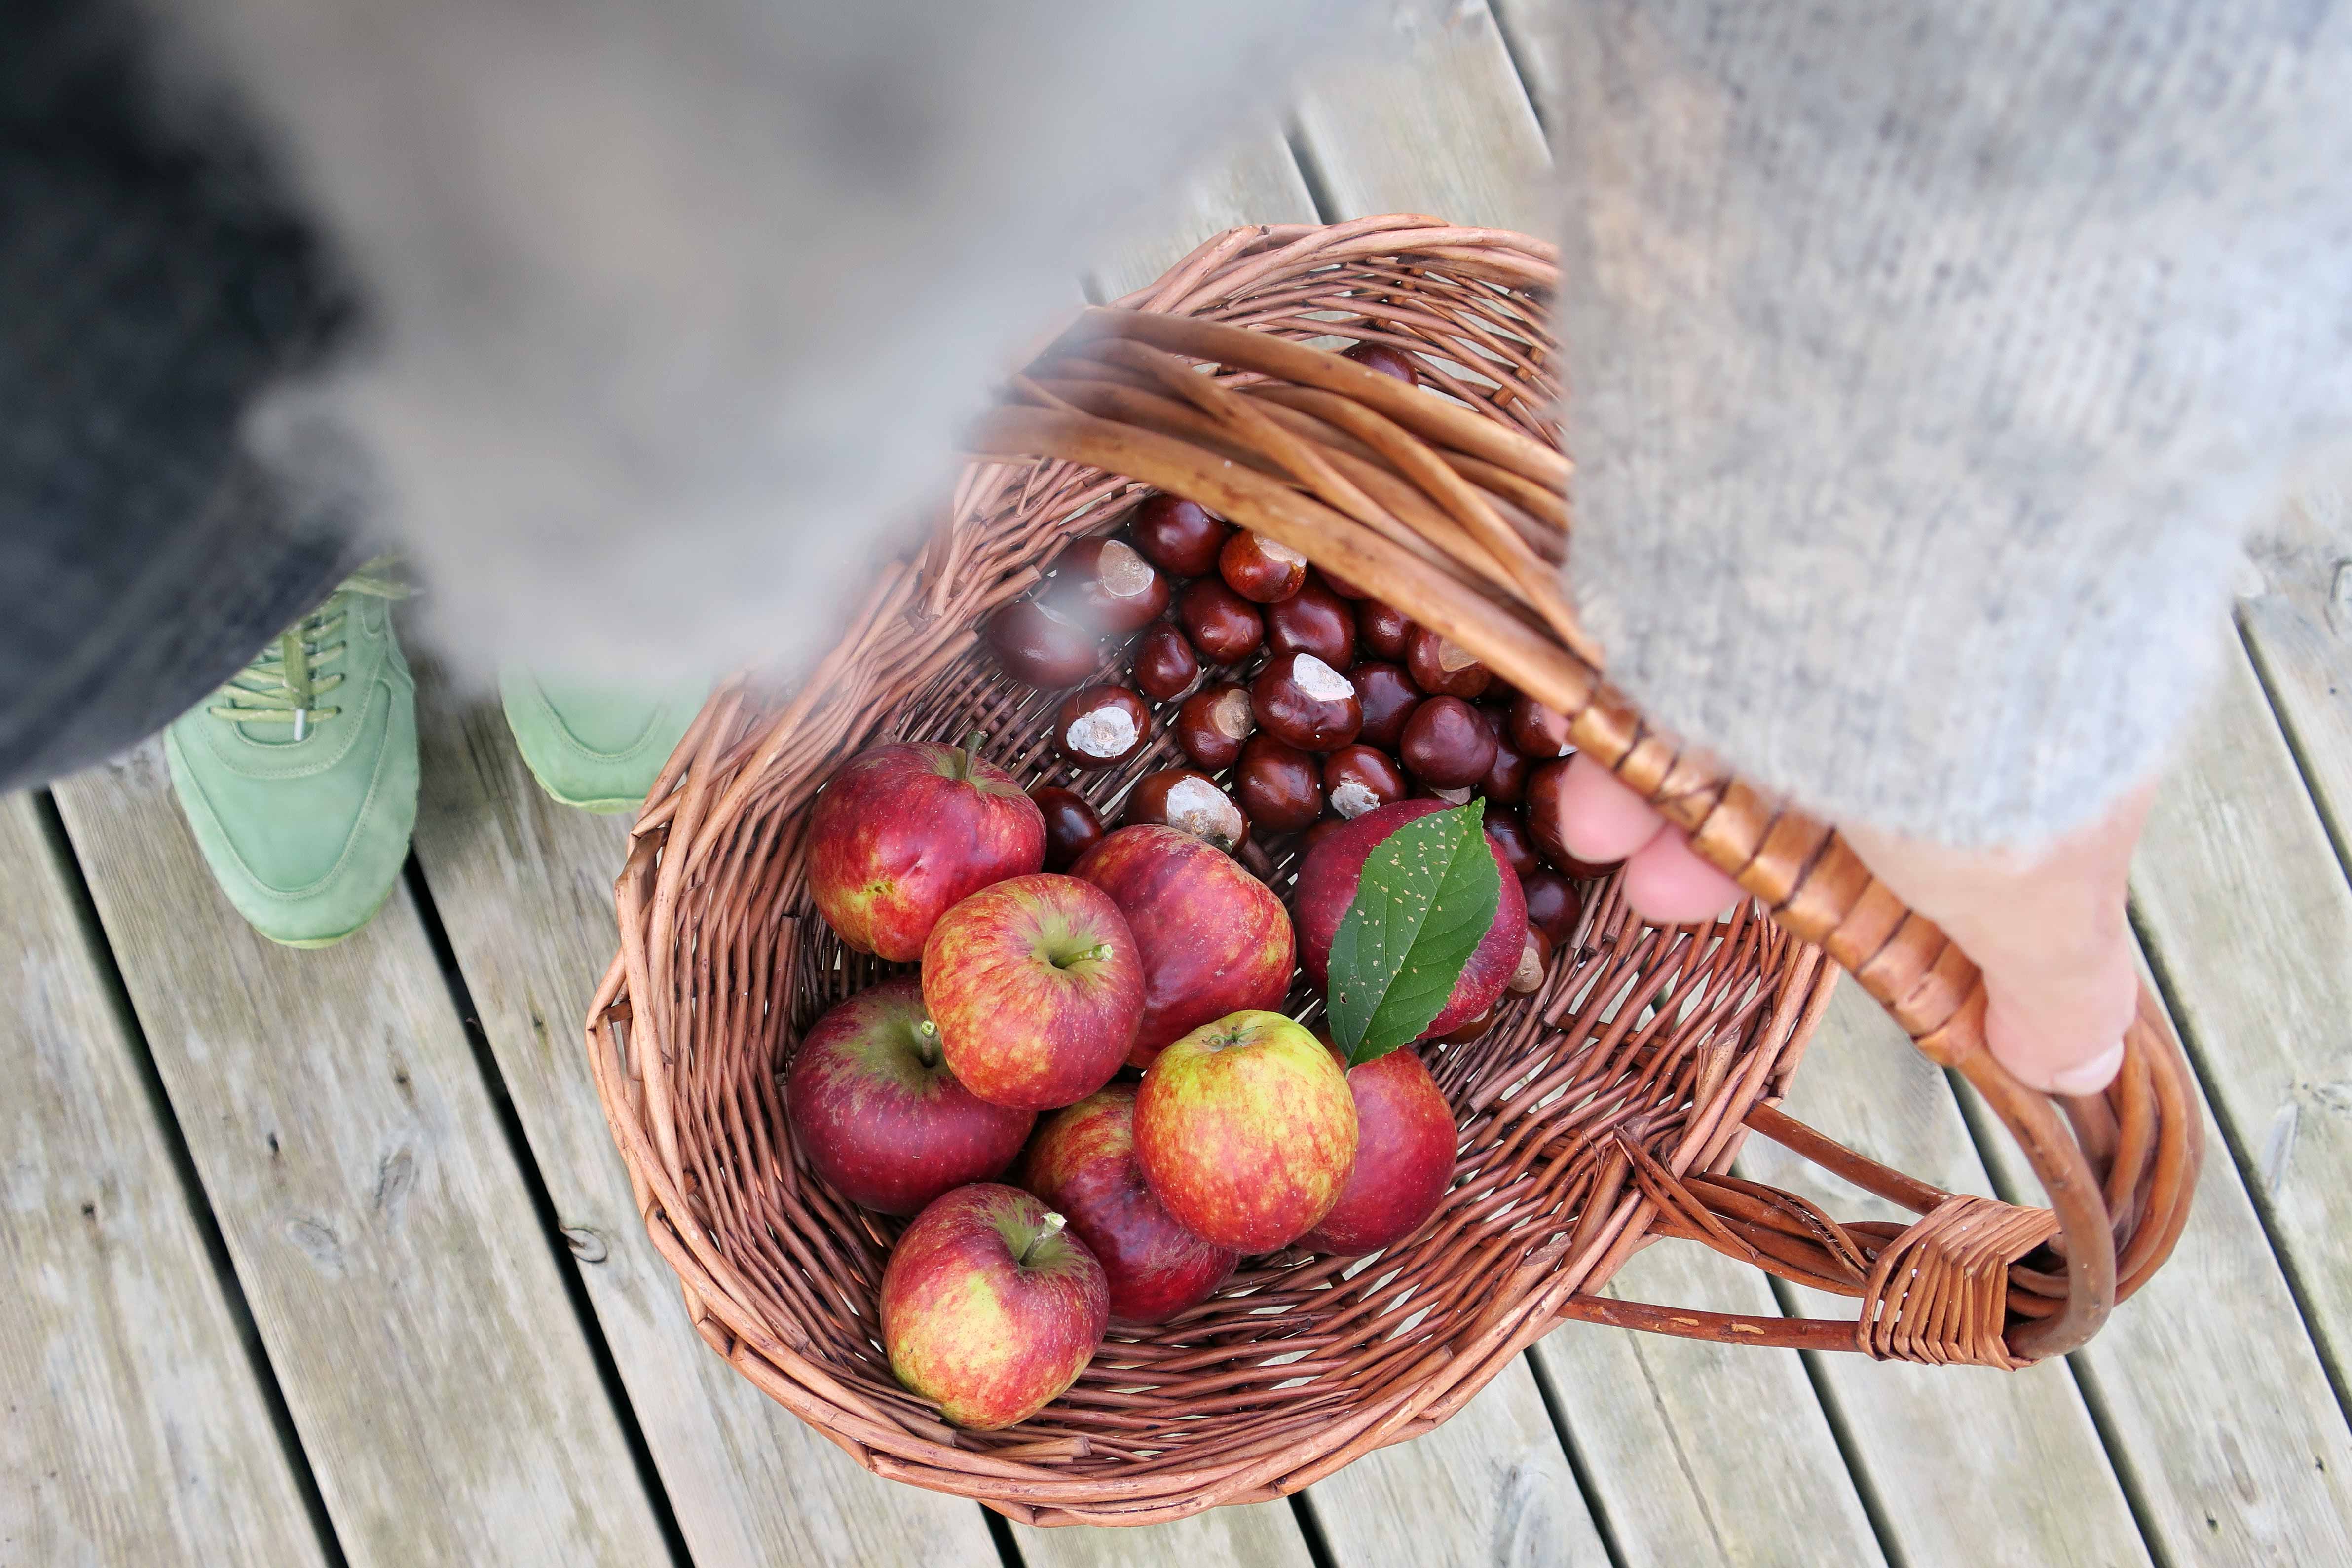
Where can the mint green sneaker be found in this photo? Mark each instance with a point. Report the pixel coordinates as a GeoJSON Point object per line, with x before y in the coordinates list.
{"type": "Point", "coordinates": [597, 748]}
{"type": "Point", "coordinates": [299, 777]}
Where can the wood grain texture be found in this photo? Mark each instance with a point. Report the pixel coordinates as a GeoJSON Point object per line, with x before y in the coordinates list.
{"type": "Point", "coordinates": [524, 889]}
{"type": "Point", "coordinates": [2248, 920]}
{"type": "Point", "coordinates": [2299, 629]}
{"type": "Point", "coordinates": [1256, 180]}
{"type": "Point", "coordinates": [1443, 128]}
{"type": "Point", "coordinates": [1251, 1535]}
{"type": "Point", "coordinates": [1491, 1487]}
{"type": "Point", "coordinates": [1698, 1452]}
{"type": "Point", "coordinates": [385, 1240]}
{"type": "Point", "coordinates": [1969, 1465]}
{"type": "Point", "coordinates": [136, 1431]}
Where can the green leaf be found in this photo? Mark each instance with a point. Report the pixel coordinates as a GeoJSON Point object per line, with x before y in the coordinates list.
{"type": "Point", "coordinates": [1427, 898]}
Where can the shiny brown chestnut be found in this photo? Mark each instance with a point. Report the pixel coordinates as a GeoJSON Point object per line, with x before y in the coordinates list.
{"type": "Point", "coordinates": [1463, 1033]}
{"type": "Point", "coordinates": [1443, 669]}
{"type": "Point", "coordinates": [1446, 745]}
{"type": "Point", "coordinates": [1261, 570]}
{"type": "Point", "coordinates": [1101, 726]}
{"type": "Point", "coordinates": [1178, 536]}
{"type": "Point", "coordinates": [1553, 904]}
{"type": "Point", "coordinates": [1107, 586]}
{"type": "Point", "coordinates": [1313, 620]}
{"type": "Point", "coordinates": [1279, 786]}
{"type": "Point", "coordinates": [1188, 801]}
{"type": "Point", "coordinates": [1038, 648]}
{"type": "Point", "coordinates": [1071, 825]}
{"type": "Point", "coordinates": [1212, 724]}
{"type": "Point", "coordinates": [1506, 782]}
{"type": "Point", "coordinates": [1382, 630]}
{"type": "Point", "coordinates": [1165, 663]}
{"type": "Point", "coordinates": [1539, 731]}
{"type": "Point", "coordinates": [1385, 360]}
{"type": "Point", "coordinates": [1535, 961]}
{"type": "Point", "coordinates": [1223, 625]}
{"type": "Point", "coordinates": [1543, 813]}
{"type": "Point", "coordinates": [1388, 698]}
{"type": "Point", "coordinates": [1300, 699]}
{"type": "Point", "coordinates": [1357, 778]}
{"type": "Point", "coordinates": [1509, 831]}
{"type": "Point", "coordinates": [1341, 586]}
{"type": "Point", "coordinates": [1319, 832]}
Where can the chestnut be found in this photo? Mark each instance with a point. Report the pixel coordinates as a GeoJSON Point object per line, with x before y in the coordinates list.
{"type": "Point", "coordinates": [1388, 698]}
{"type": "Point", "coordinates": [1443, 669]}
{"type": "Point", "coordinates": [1038, 648]}
{"type": "Point", "coordinates": [1313, 620]}
{"type": "Point", "coordinates": [1381, 629]}
{"type": "Point", "coordinates": [1103, 585]}
{"type": "Point", "coordinates": [1165, 663]}
{"type": "Point", "coordinates": [1101, 726]}
{"type": "Point", "coordinates": [1446, 745]}
{"type": "Point", "coordinates": [1188, 801]}
{"type": "Point", "coordinates": [1341, 586]}
{"type": "Point", "coordinates": [1301, 699]}
{"type": "Point", "coordinates": [1509, 831]}
{"type": "Point", "coordinates": [1541, 731]}
{"type": "Point", "coordinates": [1506, 782]}
{"type": "Point", "coordinates": [1225, 626]}
{"type": "Point", "coordinates": [1279, 786]}
{"type": "Point", "coordinates": [1071, 825]}
{"type": "Point", "coordinates": [1212, 724]}
{"type": "Point", "coordinates": [1543, 820]}
{"type": "Point", "coordinates": [1178, 536]}
{"type": "Point", "coordinates": [1463, 1033]}
{"type": "Point", "coordinates": [1319, 832]}
{"type": "Point", "coordinates": [1553, 904]}
{"type": "Point", "coordinates": [1387, 361]}
{"type": "Point", "coordinates": [1261, 570]}
{"type": "Point", "coordinates": [1357, 778]}
{"type": "Point", "coordinates": [1535, 961]}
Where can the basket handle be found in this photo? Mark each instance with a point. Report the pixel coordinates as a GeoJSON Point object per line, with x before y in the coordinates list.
{"type": "Point", "coordinates": [1181, 432]}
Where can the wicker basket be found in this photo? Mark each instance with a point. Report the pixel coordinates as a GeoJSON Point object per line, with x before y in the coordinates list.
{"type": "Point", "coordinates": [1600, 1114]}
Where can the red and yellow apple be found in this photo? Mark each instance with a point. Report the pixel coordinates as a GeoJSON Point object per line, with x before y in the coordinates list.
{"type": "Point", "coordinates": [902, 833]}
{"type": "Point", "coordinates": [873, 1107]}
{"type": "Point", "coordinates": [989, 1308]}
{"type": "Point", "coordinates": [1327, 886]}
{"type": "Point", "coordinates": [1405, 1141]}
{"type": "Point", "coordinates": [1214, 939]}
{"type": "Point", "coordinates": [1082, 1162]}
{"type": "Point", "coordinates": [1037, 986]}
{"type": "Point", "coordinates": [1246, 1131]}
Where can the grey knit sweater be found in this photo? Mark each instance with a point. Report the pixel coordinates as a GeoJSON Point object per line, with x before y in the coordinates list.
{"type": "Point", "coordinates": [1925, 359]}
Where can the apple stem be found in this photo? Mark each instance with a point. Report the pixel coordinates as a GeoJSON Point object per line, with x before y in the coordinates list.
{"type": "Point", "coordinates": [973, 741]}
{"type": "Point", "coordinates": [1048, 1228]}
{"type": "Point", "coordinates": [929, 1034]}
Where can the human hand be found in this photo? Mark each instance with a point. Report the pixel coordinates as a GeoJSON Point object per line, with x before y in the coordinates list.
{"type": "Point", "coordinates": [2046, 926]}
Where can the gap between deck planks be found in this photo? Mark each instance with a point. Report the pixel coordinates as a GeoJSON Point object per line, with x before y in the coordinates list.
{"type": "Point", "coordinates": [136, 1430]}
{"type": "Point", "coordinates": [429, 1357]}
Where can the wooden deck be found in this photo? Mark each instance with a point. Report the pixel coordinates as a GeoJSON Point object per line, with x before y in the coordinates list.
{"type": "Point", "coordinates": [327, 1259]}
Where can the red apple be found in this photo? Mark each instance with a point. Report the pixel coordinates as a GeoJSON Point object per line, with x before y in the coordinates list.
{"type": "Point", "coordinates": [1037, 987]}
{"type": "Point", "coordinates": [1082, 1162]}
{"type": "Point", "coordinates": [990, 1309]}
{"type": "Point", "coordinates": [1405, 1139]}
{"type": "Point", "coordinates": [1327, 886]}
{"type": "Point", "coordinates": [1246, 1131]}
{"type": "Point", "coordinates": [904, 831]}
{"type": "Point", "coordinates": [873, 1106]}
{"type": "Point", "coordinates": [1216, 940]}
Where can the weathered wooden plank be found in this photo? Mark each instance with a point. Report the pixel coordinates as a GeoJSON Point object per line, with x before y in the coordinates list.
{"type": "Point", "coordinates": [524, 889]}
{"type": "Point", "coordinates": [385, 1240]}
{"type": "Point", "coordinates": [1697, 1452]}
{"type": "Point", "coordinates": [1490, 1487]}
{"type": "Point", "coordinates": [1970, 1466]}
{"type": "Point", "coordinates": [1254, 181]}
{"type": "Point", "coordinates": [2299, 628]}
{"type": "Point", "coordinates": [1443, 129]}
{"type": "Point", "coordinates": [136, 1431]}
{"type": "Point", "coordinates": [1251, 1535]}
{"type": "Point", "coordinates": [2248, 918]}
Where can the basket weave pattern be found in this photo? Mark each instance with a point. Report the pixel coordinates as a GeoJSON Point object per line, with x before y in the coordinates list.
{"type": "Point", "coordinates": [1598, 1114]}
